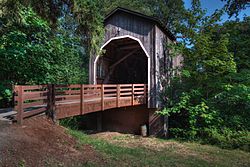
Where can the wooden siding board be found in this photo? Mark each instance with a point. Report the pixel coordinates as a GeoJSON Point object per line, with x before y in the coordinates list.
{"type": "Point", "coordinates": [150, 35]}
{"type": "Point", "coordinates": [159, 54]}
{"type": "Point", "coordinates": [133, 26]}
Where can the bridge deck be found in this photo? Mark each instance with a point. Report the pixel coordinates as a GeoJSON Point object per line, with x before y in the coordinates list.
{"type": "Point", "coordinates": [72, 100]}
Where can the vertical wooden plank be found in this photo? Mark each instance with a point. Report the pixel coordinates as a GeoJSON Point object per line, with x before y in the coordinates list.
{"type": "Point", "coordinates": [49, 100]}
{"type": "Point", "coordinates": [53, 98]}
{"type": "Point", "coordinates": [70, 90]}
{"type": "Point", "coordinates": [145, 94]}
{"type": "Point", "coordinates": [133, 96]}
{"type": "Point", "coordinates": [117, 95]}
{"type": "Point", "coordinates": [13, 97]}
{"type": "Point", "coordinates": [102, 96]}
{"type": "Point", "coordinates": [82, 99]}
{"type": "Point", "coordinates": [20, 105]}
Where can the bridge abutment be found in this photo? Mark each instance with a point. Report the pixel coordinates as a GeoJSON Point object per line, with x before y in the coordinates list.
{"type": "Point", "coordinates": [126, 120]}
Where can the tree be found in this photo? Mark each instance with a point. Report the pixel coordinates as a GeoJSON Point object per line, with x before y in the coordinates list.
{"type": "Point", "coordinates": [30, 53]}
{"type": "Point", "coordinates": [90, 24]}
{"type": "Point", "coordinates": [239, 40]}
{"type": "Point", "coordinates": [34, 52]}
{"type": "Point", "coordinates": [209, 99]}
{"type": "Point", "coordinates": [233, 7]}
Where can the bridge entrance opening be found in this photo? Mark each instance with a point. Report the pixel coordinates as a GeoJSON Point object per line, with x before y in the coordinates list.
{"type": "Point", "coordinates": [123, 61]}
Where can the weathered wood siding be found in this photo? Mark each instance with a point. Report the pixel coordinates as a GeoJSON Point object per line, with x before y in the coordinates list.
{"type": "Point", "coordinates": [126, 24]}
{"type": "Point", "coordinates": [164, 63]}
{"type": "Point", "coordinates": [154, 41]}
{"type": "Point", "coordinates": [122, 24]}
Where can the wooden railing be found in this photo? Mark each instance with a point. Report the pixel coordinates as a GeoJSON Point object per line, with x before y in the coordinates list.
{"type": "Point", "coordinates": [72, 100]}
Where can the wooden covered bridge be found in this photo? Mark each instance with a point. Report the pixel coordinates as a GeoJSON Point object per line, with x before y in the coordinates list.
{"type": "Point", "coordinates": [125, 81]}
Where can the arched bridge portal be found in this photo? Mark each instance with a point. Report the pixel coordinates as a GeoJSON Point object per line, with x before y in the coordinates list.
{"type": "Point", "coordinates": [124, 60]}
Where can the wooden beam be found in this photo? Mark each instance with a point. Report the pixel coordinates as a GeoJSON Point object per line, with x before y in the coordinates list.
{"type": "Point", "coordinates": [123, 58]}
{"type": "Point", "coordinates": [112, 67]}
{"type": "Point", "coordinates": [82, 99]}
{"type": "Point", "coordinates": [145, 93]}
{"type": "Point", "coordinates": [118, 95]}
{"type": "Point", "coordinates": [133, 96]}
{"type": "Point", "coordinates": [102, 97]}
{"type": "Point", "coordinates": [52, 102]}
{"type": "Point", "coordinates": [128, 47]}
{"type": "Point", "coordinates": [127, 42]}
{"type": "Point", "coordinates": [20, 105]}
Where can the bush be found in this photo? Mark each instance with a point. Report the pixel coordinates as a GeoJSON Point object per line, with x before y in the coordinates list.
{"type": "Point", "coordinates": [227, 138]}
{"type": "Point", "coordinates": [5, 96]}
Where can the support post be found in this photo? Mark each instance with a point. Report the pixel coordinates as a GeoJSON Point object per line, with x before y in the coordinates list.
{"type": "Point", "coordinates": [99, 121]}
{"type": "Point", "coordinates": [99, 115]}
{"type": "Point", "coordinates": [82, 99]}
{"type": "Point", "coordinates": [145, 93]}
{"type": "Point", "coordinates": [20, 105]}
{"type": "Point", "coordinates": [49, 98]}
{"type": "Point", "coordinates": [133, 96]}
{"type": "Point", "coordinates": [102, 97]}
{"type": "Point", "coordinates": [51, 109]}
{"type": "Point", "coordinates": [165, 127]}
{"type": "Point", "coordinates": [53, 98]}
{"type": "Point", "coordinates": [117, 95]}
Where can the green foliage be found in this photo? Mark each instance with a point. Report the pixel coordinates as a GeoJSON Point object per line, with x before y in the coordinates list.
{"type": "Point", "coordinates": [239, 35]}
{"type": "Point", "coordinates": [210, 97]}
{"type": "Point", "coordinates": [233, 7]}
{"type": "Point", "coordinates": [129, 150]}
{"type": "Point", "coordinates": [50, 42]}
{"type": "Point", "coordinates": [228, 138]}
{"type": "Point", "coordinates": [72, 122]}
{"type": "Point", "coordinates": [236, 98]}
{"type": "Point", "coordinates": [5, 95]}
{"type": "Point", "coordinates": [32, 52]}
{"type": "Point", "coordinates": [90, 20]}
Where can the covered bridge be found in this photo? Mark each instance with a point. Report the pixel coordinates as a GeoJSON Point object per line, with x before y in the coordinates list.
{"type": "Point", "coordinates": [125, 81]}
{"type": "Point", "coordinates": [135, 52]}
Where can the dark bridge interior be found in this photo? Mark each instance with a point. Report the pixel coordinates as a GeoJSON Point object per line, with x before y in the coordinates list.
{"type": "Point", "coordinates": [123, 61]}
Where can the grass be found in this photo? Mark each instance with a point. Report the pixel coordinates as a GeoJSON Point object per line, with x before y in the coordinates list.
{"type": "Point", "coordinates": [126, 150]}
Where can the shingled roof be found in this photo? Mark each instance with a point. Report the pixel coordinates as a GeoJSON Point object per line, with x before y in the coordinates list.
{"type": "Point", "coordinates": [151, 19]}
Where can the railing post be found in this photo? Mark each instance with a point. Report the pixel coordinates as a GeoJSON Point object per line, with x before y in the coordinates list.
{"type": "Point", "coordinates": [51, 102]}
{"type": "Point", "coordinates": [82, 99]}
{"type": "Point", "coordinates": [117, 95]}
{"type": "Point", "coordinates": [102, 97]}
{"type": "Point", "coordinates": [133, 96]}
{"type": "Point", "coordinates": [49, 96]}
{"type": "Point", "coordinates": [20, 105]}
{"type": "Point", "coordinates": [145, 93]}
